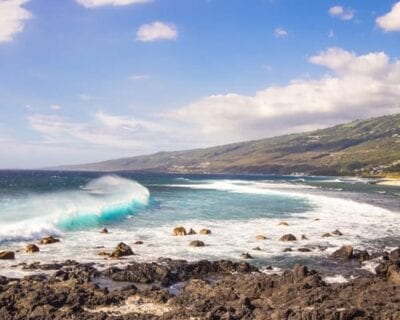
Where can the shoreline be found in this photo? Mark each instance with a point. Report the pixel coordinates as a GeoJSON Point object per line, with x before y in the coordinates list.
{"type": "Point", "coordinates": [389, 182]}
{"type": "Point", "coordinates": [177, 289]}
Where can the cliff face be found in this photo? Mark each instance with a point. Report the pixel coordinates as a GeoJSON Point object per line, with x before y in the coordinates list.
{"type": "Point", "coordinates": [369, 147]}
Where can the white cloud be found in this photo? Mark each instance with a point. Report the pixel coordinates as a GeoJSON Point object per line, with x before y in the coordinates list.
{"type": "Point", "coordinates": [390, 21]}
{"type": "Point", "coordinates": [103, 130]}
{"type": "Point", "coordinates": [55, 107]}
{"type": "Point", "coordinates": [12, 18]}
{"type": "Point", "coordinates": [356, 87]}
{"type": "Point", "coordinates": [331, 34]}
{"type": "Point", "coordinates": [101, 3]}
{"type": "Point", "coordinates": [138, 77]}
{"type": "Point", "coordinates": [342, 13]}
{"type": "Point", "coordinates": [280, 33]}
{"type": "Point", "coordinates": [156, 31]}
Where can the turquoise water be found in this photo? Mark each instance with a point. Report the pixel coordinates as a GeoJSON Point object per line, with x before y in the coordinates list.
{"type": "Point", "coordinates": [146, 207]}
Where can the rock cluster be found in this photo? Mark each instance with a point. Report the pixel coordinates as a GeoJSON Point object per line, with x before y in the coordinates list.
{"type": "Point", "coordinates": [201, 290]}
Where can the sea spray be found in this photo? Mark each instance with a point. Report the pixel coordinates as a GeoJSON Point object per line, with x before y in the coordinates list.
{"type": "Point", "coordinates": [104, 200]}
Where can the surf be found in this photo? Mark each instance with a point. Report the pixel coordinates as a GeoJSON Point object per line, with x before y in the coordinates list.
{"type": "Point", "coordinates": [105, 200]}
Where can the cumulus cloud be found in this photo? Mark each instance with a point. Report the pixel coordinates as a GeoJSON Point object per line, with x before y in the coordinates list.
{"type": "Point", "coordinates": [390, 21]}
{"type": "Point", "coordinates": [12, 18]}
{"type": "Point", "coordinates": [101, 3]}
{"type": "Point", "coordinates": [156, 31]}
{"type": "Point", "coordinates": [356, 86]}
{"type": "Point", "coordinates": [342, 13]}
{"type": "Point", "coordinates": [280, 33]}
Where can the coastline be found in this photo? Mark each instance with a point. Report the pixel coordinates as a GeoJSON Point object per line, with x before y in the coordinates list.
{"type": "Point", "coordinates": [175, 289]}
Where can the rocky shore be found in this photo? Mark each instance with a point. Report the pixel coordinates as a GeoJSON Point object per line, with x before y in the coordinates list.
{"type": "Point", "coordinates": [177, 289]}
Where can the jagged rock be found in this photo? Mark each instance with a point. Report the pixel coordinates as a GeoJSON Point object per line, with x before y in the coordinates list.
{"type": "Point", "coordinates": [104, 230]}
{"type": "Point", "coordinates": [345, 253]}
{"type": "Point", "coordinates": [304, 249]}
{"type": "Point", "coordinates": [326, 235]}
{"type": "Point", "coordinates": [192, 232]}
{"type": "Point", "coordinates": [337, 233]}
{"type": "Point", "coordinates": [49, 240]}
{"type": "Point", "coordinates": [31, 248]}
{"type": "Point", "coordinates": [393, 274]}
{"type": "Point", "coordinates": [261, 237]}
{"type": "Point", "coordinates": [121, 250]}
{"type": "Point", "coordinates": [304, 237]}
{"type": "Point", "coordinates": [197, 243]}
{"type": "Point", "coordinates": [246, 256]}
{"type": "Point", "coordinates": [7, 255]}
{"type": "Point", "coordinates": [361, 255]}
{"type": "Point", "coordinates": [179, 231]}
{"type": "Point", "coordinates": [288, 237]}
{"type": "Point", "coordinates": [205, 231]}
{"type": "Point", "coordinates": [283, 223]}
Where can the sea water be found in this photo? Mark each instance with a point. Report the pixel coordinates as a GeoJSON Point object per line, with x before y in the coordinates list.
{"type": "Point", "coordinates": [146, 207]}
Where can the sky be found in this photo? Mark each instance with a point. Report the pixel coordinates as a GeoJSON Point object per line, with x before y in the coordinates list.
{"type": "Point", "coordinates": [91, 80]}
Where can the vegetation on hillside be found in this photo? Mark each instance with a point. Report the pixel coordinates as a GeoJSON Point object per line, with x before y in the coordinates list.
{"type": "Point", "coordinates": [365, 148]}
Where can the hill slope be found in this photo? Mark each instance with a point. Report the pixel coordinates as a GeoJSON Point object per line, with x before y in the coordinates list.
{"type": "Point", "coordinates": [369, 147]}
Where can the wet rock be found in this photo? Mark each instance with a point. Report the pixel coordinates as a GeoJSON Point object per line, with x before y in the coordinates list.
{"type": "Point", "coordinates": [246, 256]}
{"type": "Point", "coordinates": [257, 249]}
{"type": "Point", "coordinates": [261, 237]}
{"type": "Point", "coordinates": [288, 237]}
{"type": "Point", "coordinates": [196, 243]}
{"type": "Point", "coordinates": [326, 235]}
{"type": "Point", "coordinates": [121, 250]}
{"type": "Point", "coordinates": [179, 231]}
{"type": "Point", "coordinates": [139, 242]}
{"type": "Point", "coordinates": [361, 255]}
{"type": "Point", "coordinates": [192, 232]}
{"type": "Point", "coordinates": [7, 255]}
{"type": "Point", "coordinates": [49, 240]}
{"type": "Point", "coordinates": [283, 223]}
{"type": "Point", "coordinates": [393, 274]}
{"type": "Point", "coordinates": [205, 231]}
{"type": "Point", "coordinates": [304, 249]}
{"type": "Point", "coordinates": [304, 237]}
{"type": "Point", "coordinates": [337, 233]}
{"type": "Point", "coordinates": [344, 253]}
{"type": "Point", "coordinates": [104, 230]}
{"type": "Point", "coordinates": [287, 250]}
{"type": "Point", "coordinates": [31, 248]}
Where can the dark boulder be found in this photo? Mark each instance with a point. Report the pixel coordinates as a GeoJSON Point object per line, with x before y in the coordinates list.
{"type": "Point", "coordinates": [121, 250]}
{"type": "Point", "coordinates": [288, 237]}
{"type": "Point", "coordinates": [344, 253]}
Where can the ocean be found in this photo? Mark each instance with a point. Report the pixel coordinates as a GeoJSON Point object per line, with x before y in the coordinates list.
{"type": "Point", "coordinates": [147, 207]}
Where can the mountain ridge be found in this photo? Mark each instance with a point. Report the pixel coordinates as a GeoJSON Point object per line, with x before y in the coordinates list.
{"type": "Point", "coordinates": [363, 147]}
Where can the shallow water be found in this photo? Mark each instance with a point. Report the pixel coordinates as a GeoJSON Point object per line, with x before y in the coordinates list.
{"type": "Point", "coordinates": [147, 207]}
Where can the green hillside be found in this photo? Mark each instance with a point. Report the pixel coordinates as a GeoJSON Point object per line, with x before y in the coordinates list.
{"type": "Point", "coordinates": [369, 147]}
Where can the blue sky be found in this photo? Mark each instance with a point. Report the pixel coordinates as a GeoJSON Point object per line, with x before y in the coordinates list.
{"type": "Point", "coordinates": [87, 80]}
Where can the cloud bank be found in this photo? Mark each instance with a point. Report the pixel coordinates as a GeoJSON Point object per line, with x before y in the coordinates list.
{"type": "Point", "coordinates": [356, 86]}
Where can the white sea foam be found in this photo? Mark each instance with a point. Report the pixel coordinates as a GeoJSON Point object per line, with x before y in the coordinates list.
{"type": "Point", "coordinates": [336, 279]}
{"type": "Point", "coordinates": [230, 238]}
{"type": "Point", "coordinates": [36, 215]}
